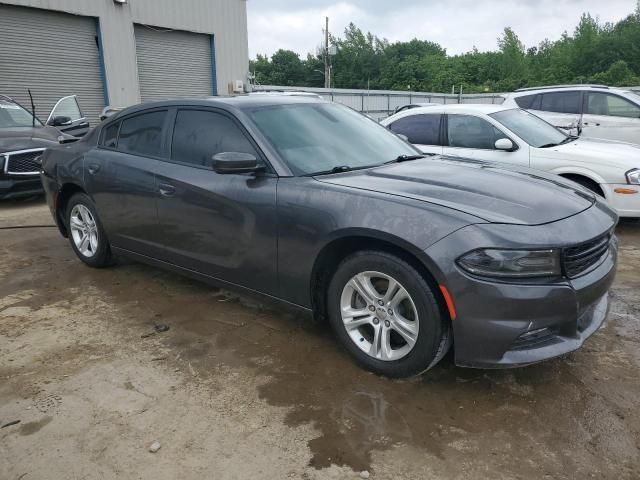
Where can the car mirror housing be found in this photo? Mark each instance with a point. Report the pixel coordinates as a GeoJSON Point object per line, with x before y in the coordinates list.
{"type": "Point", "coordinates": [61, 121]}
{"type": "Point", "coordinates": [504, 144]}
{"type": "Point", "coordinates": [234, 162]}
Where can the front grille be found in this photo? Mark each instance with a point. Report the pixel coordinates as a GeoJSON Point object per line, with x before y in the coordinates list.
{"type": "Point", "coordinates": [581, 258]}
{"type": "Point", "coordinates": [24, 163]}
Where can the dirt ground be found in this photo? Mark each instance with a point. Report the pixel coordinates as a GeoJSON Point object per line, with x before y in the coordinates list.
{"type": "Point", "coordinates": [236, 391]}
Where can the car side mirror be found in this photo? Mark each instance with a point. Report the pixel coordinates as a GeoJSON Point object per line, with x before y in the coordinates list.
{"type": "Point", "coordinates": [504, 144]}
{"type": "Point", "coordinates": [404, 137]}
{"type": "Point", "coordinates": [61, 121]}
{"type": "Point", "coordinates": [64, 138]}
{"type": "Point", "coordinates": [234, 162]}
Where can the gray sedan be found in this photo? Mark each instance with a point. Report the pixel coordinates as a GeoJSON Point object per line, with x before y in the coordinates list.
{"type": "Point", "coordinates": [316, 206]}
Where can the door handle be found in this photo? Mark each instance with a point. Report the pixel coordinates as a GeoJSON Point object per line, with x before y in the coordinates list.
{"type": "Point", "coordinates": [167, 190]}
{"type": "Point", "coordinates": [93, 168]}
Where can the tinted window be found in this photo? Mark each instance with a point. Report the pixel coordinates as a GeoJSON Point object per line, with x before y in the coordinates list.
{"type": "Point", "coordinates": [142, 134]}
{"type": "Point", "coordinates": [612, 105]}
{"type": "Point", "coordinates": [466, 131]}
{"type": "Point", "coordinates": [110, 136]}
{"type": "Point", "coordinates": [561, 102]}
{"type": "Point", "coordinates": [198, 135]}
{"type": "Point", "coordinates": [420, 129]}
{"type": "Point", "coordinates": [526, 101]}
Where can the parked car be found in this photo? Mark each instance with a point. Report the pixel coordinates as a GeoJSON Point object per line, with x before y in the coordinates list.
{"type": "Point", "coordinates": [410, 106]}
{"type": "Point", "coordinates": [587, 110]}
{"type": "Point", "coordinates": [317, 206]}
{"type": "Point", "coordinates": [23, 138]}
{"type": "Point", "coordinates": [499, 133]}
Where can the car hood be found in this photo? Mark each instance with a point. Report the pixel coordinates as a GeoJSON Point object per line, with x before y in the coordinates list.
{"type": "Point", "coordinates": [596, 151]}
{"type": "Point", "coordinates": [491, 192]}
{"type": "Point", "coordinates": [12, 139]}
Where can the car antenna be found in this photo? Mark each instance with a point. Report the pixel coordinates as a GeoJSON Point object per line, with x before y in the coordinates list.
{"type": "Point", "coordinates": [33, 110]}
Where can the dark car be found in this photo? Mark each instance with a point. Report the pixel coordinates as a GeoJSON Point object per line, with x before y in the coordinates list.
{"type": "Point", "coordinates": [23, 138]}
{"type": "Point", "coordinates": [317, 206]}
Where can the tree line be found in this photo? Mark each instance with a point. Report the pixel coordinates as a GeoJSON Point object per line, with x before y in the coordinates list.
{"type": "Point", "coordinates": [603, 53]}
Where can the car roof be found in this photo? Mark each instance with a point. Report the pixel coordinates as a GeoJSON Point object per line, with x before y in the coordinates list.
{"type": "Point", "coordinates": [239, 102]}
{"type": "Point", "coordinates": [487, 109]}
{"type": "Point", "coordinates": [563, 88]}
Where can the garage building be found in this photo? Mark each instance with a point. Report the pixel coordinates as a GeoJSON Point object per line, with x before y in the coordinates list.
{"type": "Point", "coordinates": [120, 52]}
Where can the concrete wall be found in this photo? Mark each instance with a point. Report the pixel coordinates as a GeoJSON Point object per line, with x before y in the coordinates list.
{"type": "Point", "coordinates": [225, 19]}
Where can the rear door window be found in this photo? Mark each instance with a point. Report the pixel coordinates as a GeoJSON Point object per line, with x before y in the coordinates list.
{"type": "Point", "coordinates": [110, 136]}
{"type": "Point", "coordinates": [198, 135]}
{"type": "Point", "coordinates": [142, 134]}
{"type": "Point", "coordinates": [561, 102]}
{"type": "Point", "coordinates": [467, 131]}
{"type": "Point", "coordinates": [419, 129]}
{"type": "Point", "coordinates": [611, 105]}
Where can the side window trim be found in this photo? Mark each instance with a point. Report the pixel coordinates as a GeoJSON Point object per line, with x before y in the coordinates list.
{"type": "Point", "coordinates": [173, 115]}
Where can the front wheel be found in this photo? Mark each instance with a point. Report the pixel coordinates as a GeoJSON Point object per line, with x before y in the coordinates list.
{"type": "Point", "coordinates": [86, 234]}
{"type": "Point", "coordinates": [386, 315]}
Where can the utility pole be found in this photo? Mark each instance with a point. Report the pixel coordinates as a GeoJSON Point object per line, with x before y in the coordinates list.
{"type": "Point", "coordinates": [327, 71]}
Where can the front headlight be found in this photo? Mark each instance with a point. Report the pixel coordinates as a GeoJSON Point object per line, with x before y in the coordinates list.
{"type": "Point", "coordinates": [512, 263]}
{"type": "Point", "coordinates": [633, 176]}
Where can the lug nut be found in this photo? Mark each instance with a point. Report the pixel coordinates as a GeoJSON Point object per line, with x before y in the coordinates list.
{"type": "Point", "coordinates": [380, 302]}
{"type": "Point", "coordinates": [372, 308]}
{"type": "Point", "coordinates": [376, 321]}
{"type": "Point", "coordinates": [390, 312]}
{"type": "Point", "coordinates": [387, 323]}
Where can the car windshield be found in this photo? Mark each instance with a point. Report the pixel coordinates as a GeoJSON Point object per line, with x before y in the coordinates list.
{"type": "Point", "coordinates": [13, 115]}
{"type": "Point", "coordinates": [318, 137]}
{"type": "Point", "coordinates": [533, 130]}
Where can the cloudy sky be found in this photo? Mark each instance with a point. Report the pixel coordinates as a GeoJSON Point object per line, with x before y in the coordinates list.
{"type": "Point", "coordinates": [456, 25]}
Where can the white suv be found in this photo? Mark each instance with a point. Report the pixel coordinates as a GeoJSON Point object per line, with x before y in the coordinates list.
{"type": "Point", "coordinates": [586, 110]}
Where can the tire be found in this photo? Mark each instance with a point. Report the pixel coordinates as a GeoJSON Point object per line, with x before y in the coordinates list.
{"type": "Point", "coordinates": [81, 213]}
{"type": "Point", "coordinates": [414, 333]}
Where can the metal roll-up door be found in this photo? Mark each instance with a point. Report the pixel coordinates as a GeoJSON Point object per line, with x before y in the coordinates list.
{"type": "Point", "coordinates": [53, 54]}
{"type": "Point", "coordinates": [173, 63]}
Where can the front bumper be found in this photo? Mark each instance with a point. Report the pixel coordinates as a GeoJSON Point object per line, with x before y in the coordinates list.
{"type": "Point", "coordinates": [14, 187]}
{"type": "Point", "coordinates": [500, 324]}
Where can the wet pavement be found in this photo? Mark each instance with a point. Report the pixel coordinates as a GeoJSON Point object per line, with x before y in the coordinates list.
{"type": "Point", "coordinates": [241, 389]}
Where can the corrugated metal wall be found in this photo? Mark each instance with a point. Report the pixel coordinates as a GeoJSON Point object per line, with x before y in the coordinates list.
{"type": "Point", "coordinates": [225, 19]}
{"type": "Point", "coordinates": [54, 55]}
{"type": "Point", "coordinates": [173, 63]}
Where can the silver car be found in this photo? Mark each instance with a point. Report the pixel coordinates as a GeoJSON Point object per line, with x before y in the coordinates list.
{"type": "Point", "coordinates": [593, 111]}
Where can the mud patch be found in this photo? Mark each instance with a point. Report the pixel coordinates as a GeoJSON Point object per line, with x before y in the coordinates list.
{"type": "Point", "coordinates": [34, 427]}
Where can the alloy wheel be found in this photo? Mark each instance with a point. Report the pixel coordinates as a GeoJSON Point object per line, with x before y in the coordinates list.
{"type": "Point", "coordinates": [84, 230]}
{"type": "Point", "coordinates": [379, 315]}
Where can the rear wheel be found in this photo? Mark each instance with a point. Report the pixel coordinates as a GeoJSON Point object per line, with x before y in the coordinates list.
{"type": "Point", "coordinates": [386, 315]}
{"type": "Point", "coordinates": [86, 234]}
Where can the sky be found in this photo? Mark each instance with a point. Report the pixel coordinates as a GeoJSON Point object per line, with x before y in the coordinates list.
{"type": "Point", "coordinates": [457, 25]}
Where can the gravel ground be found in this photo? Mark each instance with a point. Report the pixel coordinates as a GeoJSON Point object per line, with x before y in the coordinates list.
{"type": "Point", "coordinates": [235, 390]}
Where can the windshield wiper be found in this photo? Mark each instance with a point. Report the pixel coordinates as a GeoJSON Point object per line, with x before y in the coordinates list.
{"type": "Point", "coordinates": [339, 169]}
{"type": "Point", "coordinates": [570, 138]}
{"type": "Point", "coordinates": [405, 158]}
